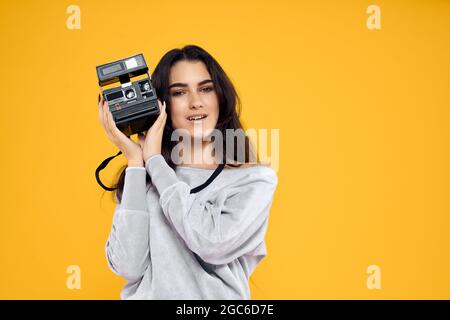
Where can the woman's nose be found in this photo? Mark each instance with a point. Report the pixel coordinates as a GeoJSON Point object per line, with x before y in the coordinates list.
{"type": "Point", "coordinates": [195, 102]}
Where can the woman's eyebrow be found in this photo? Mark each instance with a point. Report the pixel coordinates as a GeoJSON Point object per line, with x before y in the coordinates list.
{"type": "Point", "coordinates": [179, 84]}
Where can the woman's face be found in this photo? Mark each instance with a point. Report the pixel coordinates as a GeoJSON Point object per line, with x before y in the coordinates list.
{"type": "Point", "coordinates": [193, 98]}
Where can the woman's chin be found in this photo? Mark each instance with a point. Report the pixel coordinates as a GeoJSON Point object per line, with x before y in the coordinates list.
{"type": "Point", "coordinates": [203, 134]}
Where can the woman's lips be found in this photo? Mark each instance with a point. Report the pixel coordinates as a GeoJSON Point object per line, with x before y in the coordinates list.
{"type": "Point", "coordinates": [197, 117]}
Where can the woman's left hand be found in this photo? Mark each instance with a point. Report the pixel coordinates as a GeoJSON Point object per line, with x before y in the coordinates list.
{"type": "Point", "coordinates": [151, 142]}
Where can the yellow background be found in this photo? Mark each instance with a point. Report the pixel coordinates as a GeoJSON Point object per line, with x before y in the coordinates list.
{"type": "Point", "coordinates": [364, 137]}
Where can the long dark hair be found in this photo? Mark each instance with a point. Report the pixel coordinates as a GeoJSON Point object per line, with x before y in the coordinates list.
{"type": "Point", "coordinates": [229, 105]}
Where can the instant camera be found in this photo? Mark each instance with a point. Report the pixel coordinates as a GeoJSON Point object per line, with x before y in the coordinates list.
{"type": "Point", "coordinates": [133, 104]}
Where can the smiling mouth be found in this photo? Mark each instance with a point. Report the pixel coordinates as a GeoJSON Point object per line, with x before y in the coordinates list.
{"type": "Point", "coordinates": [197, 117]}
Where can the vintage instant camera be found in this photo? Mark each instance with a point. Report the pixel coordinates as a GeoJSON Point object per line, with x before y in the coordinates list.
{"type": "Point", "coordinates": [133, 104]}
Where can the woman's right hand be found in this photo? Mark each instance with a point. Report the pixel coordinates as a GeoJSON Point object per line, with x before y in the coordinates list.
{"type": "Point", "coordinates": [130, 149]}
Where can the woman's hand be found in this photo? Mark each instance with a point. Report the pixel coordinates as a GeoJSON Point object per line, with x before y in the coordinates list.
{"type": "Point", "coordinates": [130, 149]}
{"type": "Point", "coordinates": [151, 142]}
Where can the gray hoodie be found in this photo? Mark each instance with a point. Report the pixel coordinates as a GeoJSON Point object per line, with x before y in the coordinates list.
{"type": "Point", "coordinates": [171, 244]}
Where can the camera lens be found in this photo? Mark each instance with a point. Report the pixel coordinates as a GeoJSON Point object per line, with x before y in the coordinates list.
{"type": "Point", "coordinates": [145, 86]}
{"type": "Point", "coordinates": [130, 94]}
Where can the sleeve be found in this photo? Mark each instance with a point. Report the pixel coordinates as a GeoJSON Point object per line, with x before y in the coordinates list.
{"type": "Point", "coordinates": [127, 247]}
{"type": "Point", "coordinates": [219, 230]}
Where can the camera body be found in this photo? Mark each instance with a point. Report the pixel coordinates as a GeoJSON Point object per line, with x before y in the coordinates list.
{"type": "Point", "coordinates": [133, 104]}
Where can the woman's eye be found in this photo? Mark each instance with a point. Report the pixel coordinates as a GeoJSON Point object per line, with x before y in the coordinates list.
{"type": "Point", "coordinates": [177, 93]}
{"type": "Point", "coordinates": [207, 89]}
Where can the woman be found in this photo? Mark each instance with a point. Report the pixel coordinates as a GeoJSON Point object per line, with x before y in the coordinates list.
{"type": "Point", "coordinates": [170, 243]}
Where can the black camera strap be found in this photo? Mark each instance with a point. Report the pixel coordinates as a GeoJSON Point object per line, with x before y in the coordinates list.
{"type": "Point", "coordinates": [100, 168]}
{"type": "Point", "coordinates": [105, 162]}
{"type": "Point", "coordinates": [210, 179]}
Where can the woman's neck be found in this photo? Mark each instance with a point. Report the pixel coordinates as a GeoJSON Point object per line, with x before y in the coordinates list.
{"type": "Point", "coordinates": [201, 156]}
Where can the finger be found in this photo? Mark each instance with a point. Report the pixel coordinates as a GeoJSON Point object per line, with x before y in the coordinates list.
{"type": "Point", "coordinates": [107, 122]}
{"type": "Point", "coordinates": [100, 105]}
{"type": "Point", "coordinates": [164, 120]}
{"type": "Point", "coordinates": [112, 124]}
{"type": "Point", "coordinates": [100, 115]}
{"type": "Point", "coordinates": [104, 115]}
{"type": "Point", "coordinates": [115, 132]}
{"type": "Point", "coordinates": [162, 123]}
{"type": "Point", "coordinates": [162, 107]}
{"type": "Point", "coordinates": [157, 122]}
{"type": "Point", "coordinates": [163, 113]}
{"type": "Point", "coordinates": [100, 100]}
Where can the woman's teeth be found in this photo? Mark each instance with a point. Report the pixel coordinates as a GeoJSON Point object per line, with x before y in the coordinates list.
{"type": "Point", "coordinates": [194, 118]}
